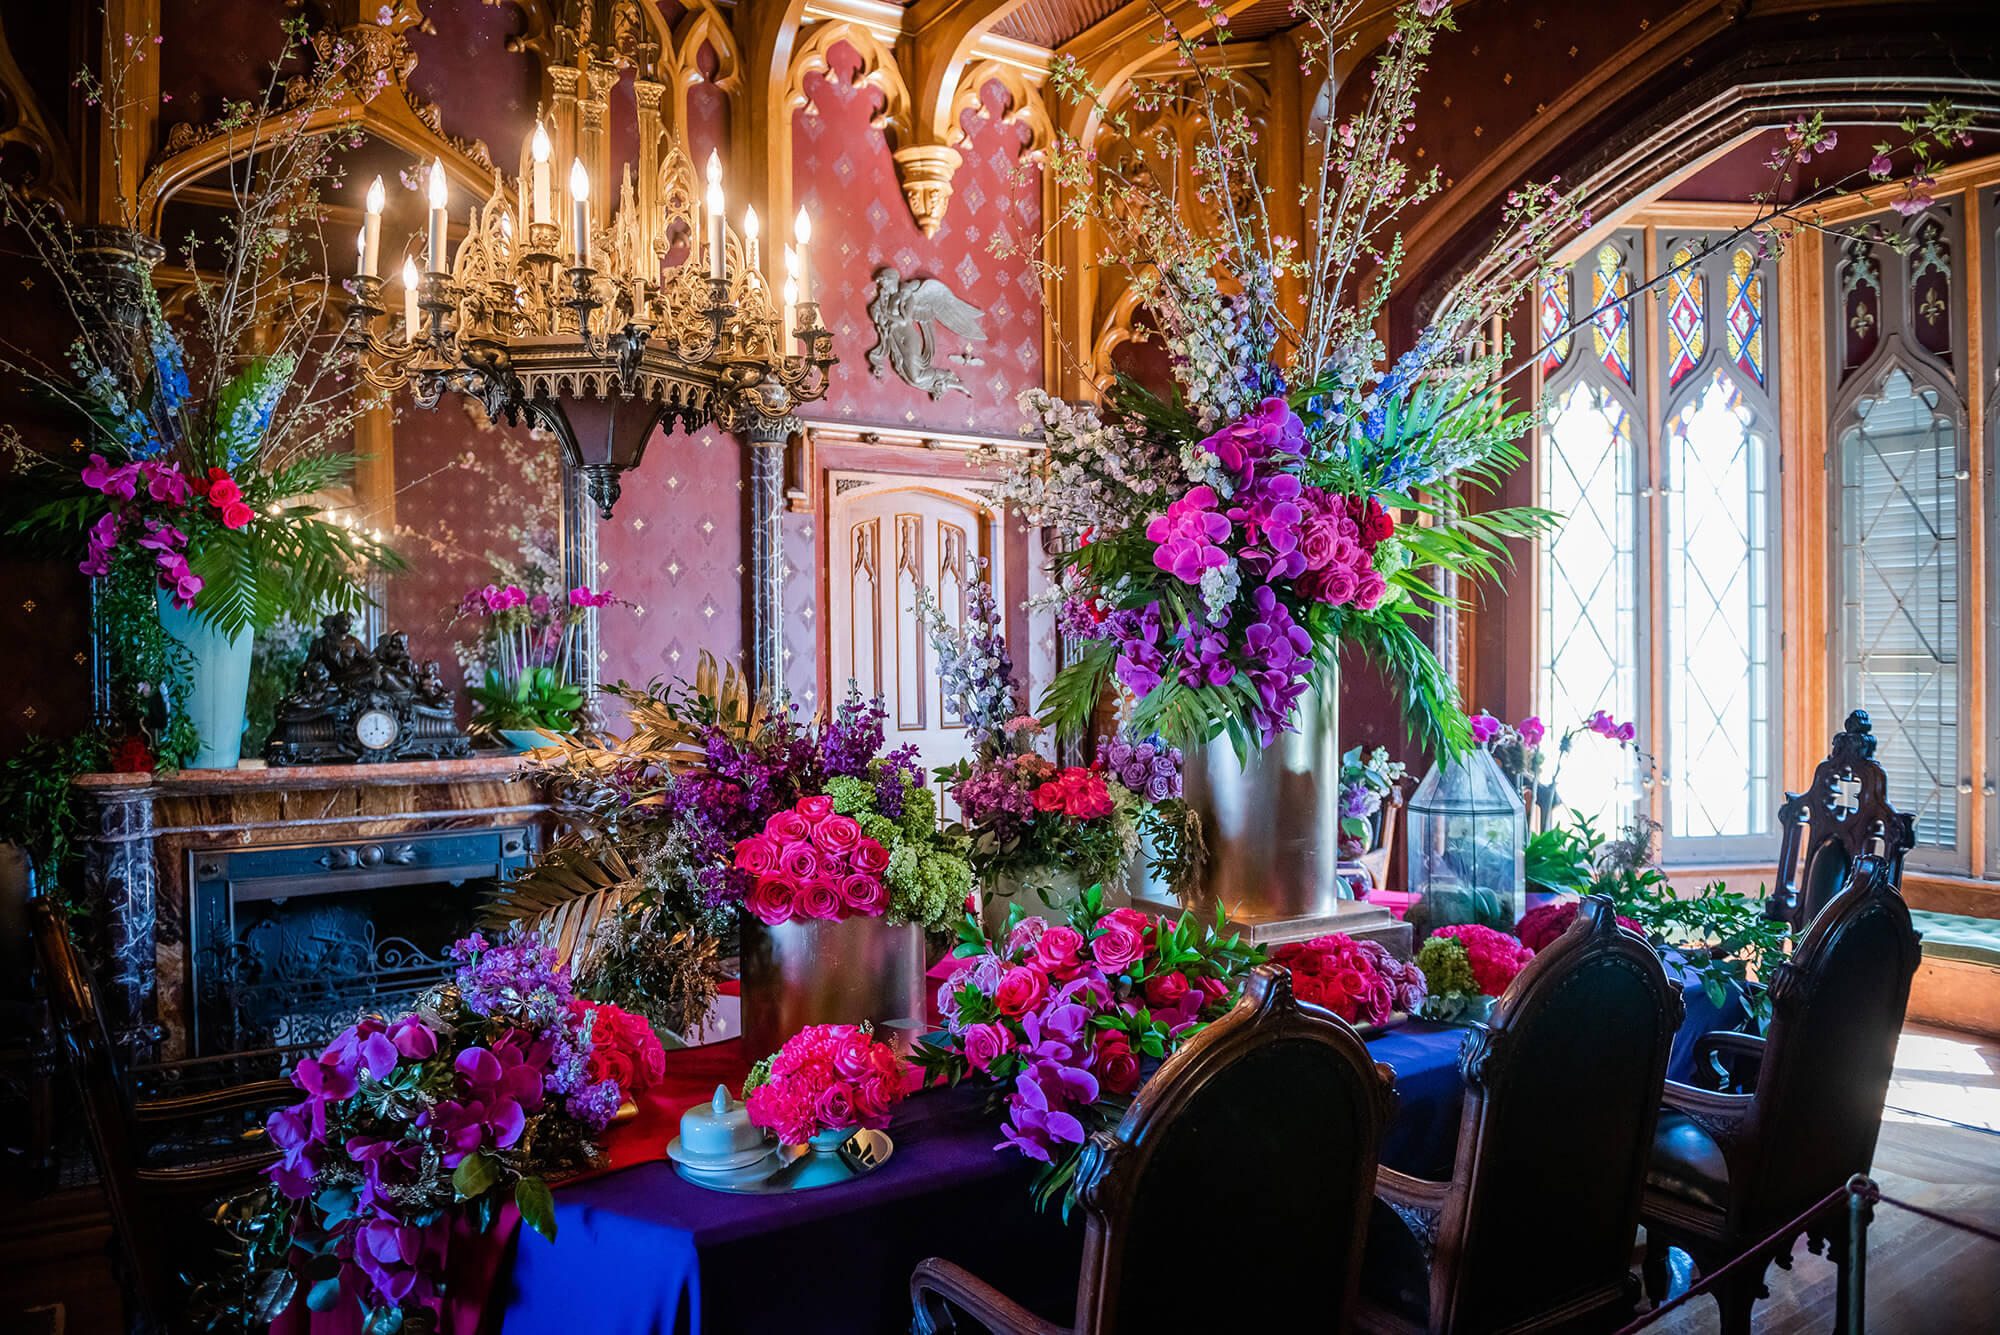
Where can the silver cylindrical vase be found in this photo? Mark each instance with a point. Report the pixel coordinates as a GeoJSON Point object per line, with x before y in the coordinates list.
{"type": "Point", "coordinates": [1272, 825]}
{"type": "Point", "coordinates": [1042, 892]}
{"type": "Point", "coordinates": [809, 971]}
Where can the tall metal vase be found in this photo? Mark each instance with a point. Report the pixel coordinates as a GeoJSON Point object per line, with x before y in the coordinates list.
{"type": "Point", "coordinates": [218, 684]}
{"type": "Point", "coordinates": [1272, 825]}
{"type": "Point", "coordinates": [809, 971]}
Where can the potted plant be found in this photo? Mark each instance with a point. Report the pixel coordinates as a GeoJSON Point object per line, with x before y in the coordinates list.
{"type": "Point", "coordinates": [523, 651]}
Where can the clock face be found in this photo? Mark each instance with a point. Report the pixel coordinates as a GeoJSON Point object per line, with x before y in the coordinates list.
{"type": "Point", "coordinates": [375, 729]}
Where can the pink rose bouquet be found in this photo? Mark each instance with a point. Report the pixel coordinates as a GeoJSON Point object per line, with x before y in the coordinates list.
{"type": "Point", "coordinates": [1062, 1017]}
{"type": "Point", "coordinates": [1360, 981]}
{"type": "Point", "coordinates": [827, 1077]}
{"type": "Point", "coordinates": [810, 861]}
{"type": "Point", "coordinates": [1495, 956]}
{"type": "Point", "coordinates": [623, 1047]}
{"type": "Point", "coordinates": [1539, 927]}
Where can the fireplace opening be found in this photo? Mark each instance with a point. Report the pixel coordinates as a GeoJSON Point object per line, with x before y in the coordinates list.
{"type": "Point", "coordinates": [290, 943]}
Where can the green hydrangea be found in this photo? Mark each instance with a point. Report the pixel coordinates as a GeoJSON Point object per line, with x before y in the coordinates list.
{"type": "Point", "coordinates": [919, 811]}
{"type": "Point", "coordinates": [1447, 968]}
{"type": "Point", "coordinates": [851, 796]}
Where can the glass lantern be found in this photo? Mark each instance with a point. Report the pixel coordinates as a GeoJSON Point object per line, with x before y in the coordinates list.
{"type": "Point", "coordinates": [1467, 847]}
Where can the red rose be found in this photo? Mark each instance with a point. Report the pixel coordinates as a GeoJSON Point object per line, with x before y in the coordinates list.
{"type": "Point", "coordinates": [1167, 990]}
{"type": "Point", "coordinates": [850, 1054]}
{"type": "Point", "coordinates": [1059, 951]}
{"type": "Point", "coordinates": [835, 1108]}
{"type": "Point", "coordinates": [757, 854]}
{"type": "Point", "coordinates": [788, 827]}
{"type": "Point", "coordinates": [770, 899]}
{"type": "Point", "coordinates": [222, 491]}
{"type": "Point", "coordinates": [615, 1064]}
{"type": "Point", "coordinates": [1117, 1068]}
{"type": "Point", "coordinates": [815, 808]}
{"type": "Point", "coordinates": [799, 862]}
{"type": "Point", "coordinates": [865, 896]}
{"type": "Point", "coordinates": [236, 514]}
{"type": "Point", "coordinates": [869, 857]}
{"type": "Point", "coordinates": [653, 1064]}
{"type": "Point", "coordinates": [819, 900]}
{"type": "Point", "coordinates": [1021, 990]}
{"type": "Point", "coordinates": [1120, 942]}
{"type": "Point", "coordinates": [1049, 797]}
{"type": "Point", "coordinates": [836, 836]}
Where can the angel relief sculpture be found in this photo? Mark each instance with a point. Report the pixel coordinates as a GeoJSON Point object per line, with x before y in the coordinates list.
{"type": "Point", "coordinates": [905, 315]}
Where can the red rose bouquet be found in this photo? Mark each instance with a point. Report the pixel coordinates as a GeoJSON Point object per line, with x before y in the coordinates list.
{"type": "Point", "coordinates": [1060, 1017]}
{"type": "Point", "coordinates": [827, 1077]}
{"type": "Point", "coordinates": [1360, 981]}
{"type": "Point", "coordinates": [811, 861]}
{"type": "Point", "coordinates": [1495, 956]}
{"type": "Point", "coordinates": [1539, 927]}
{"type": "Point", "coordinates": [623, 1047]}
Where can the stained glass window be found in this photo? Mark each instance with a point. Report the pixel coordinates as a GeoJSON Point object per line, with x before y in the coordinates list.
{"type": "Point", "coordinates": [1745, 317]}
{"type": "Point", "coordinates": [1687, 317]}
{"type": "Point", "coordinates": [1930, 289]}
{"type": "Point", "coordinates": [1554, 315]}
{"type": "Point", "coordinates": [1611, 326]}
{"type": "Point", "coordinates": [1899, 593]}
{"type": "Point", "coordinates": [1718, 593]}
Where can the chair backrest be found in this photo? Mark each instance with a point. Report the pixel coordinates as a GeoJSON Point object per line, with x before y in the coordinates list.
{"type": "Point", "coordinates": [93, 1066]}
{"type": "Point", "coordinates": [1836, 1012]}
{"type": "Point", "coordinates": [1562, 1093]}
{"type": "Point", "coordinates": [1266, 1124]}
{"type": "Point", "coordinates": [1841, 815]}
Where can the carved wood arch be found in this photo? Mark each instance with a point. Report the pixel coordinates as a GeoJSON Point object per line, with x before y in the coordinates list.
{"type": "Point", "coordinates": [702, 26]}
{"type": "Point", "coordinates": [879, 70]}
{"type": "Point", "coordinates": [27, 126]}
{"type": "Point", "coordinates": [1025, 106]}
{"type": "Point", "coordinates": [1119, 329]}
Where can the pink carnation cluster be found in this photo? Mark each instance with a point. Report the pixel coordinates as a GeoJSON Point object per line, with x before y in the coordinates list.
{"type": "Point", "coordinates": [1063, 1016]}
{"type": "Point", "coordinates": [812, 862]}
{"type": "Point", "coordinates": [1360, 981]}
{"type": "Point", "coordinates": [1539, 927]}
{"type": "Point", "coordinates": [1495, 956]}
{"type": "Point", "coordinates": [827, 1077]}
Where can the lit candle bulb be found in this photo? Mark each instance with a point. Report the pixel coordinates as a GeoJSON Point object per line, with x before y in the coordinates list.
{"type": "Point", "coordinates": [579, 190]}
{"type": "Point", "coordinates": [371, 231]}
{"type": "Point", "coordinates": [361, 253]}
{"type": "Point", "coordinates": [750, 240]}
{"type": "Point", "coordinates": [717, 261]}
{"type": "Point", "coordinates": [539, 148]}
{"type": "Point", "coordinates": [439, 199]}
{"type": "Point", "coordinates": [409, 300]}
{"type": "Point", "coordinates": [802, 229]}
{"type": "Point", "coordinates": [790, 294]}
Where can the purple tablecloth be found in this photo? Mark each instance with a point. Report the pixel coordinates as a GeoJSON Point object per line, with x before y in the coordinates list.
{"type": "Point", "coordinates": [641, 1252]}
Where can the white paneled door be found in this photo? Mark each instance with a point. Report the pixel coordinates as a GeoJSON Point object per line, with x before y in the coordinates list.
{"type": "Point", "coordinates": [889, 537]}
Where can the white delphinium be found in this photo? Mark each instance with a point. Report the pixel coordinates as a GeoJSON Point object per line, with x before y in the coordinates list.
{"type": "Point", "coordinates": [1219, 588]}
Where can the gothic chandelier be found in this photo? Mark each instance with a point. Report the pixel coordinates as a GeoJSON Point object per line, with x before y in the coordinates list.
{"type": "Point", "coordinates": [597, 330]}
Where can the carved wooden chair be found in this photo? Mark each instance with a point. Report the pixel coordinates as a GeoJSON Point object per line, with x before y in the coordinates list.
{"type": "Point", "coordinates": [1534, 1230]}
{"type": "Point", "coordinates": [1269, 1120]}
{"type": "Point", "coordinates": [144, 1197]}
{"type": "Point", "coordinates": [1841, 815]}
{"type": "Point", "coordinates": [1728, 1169]}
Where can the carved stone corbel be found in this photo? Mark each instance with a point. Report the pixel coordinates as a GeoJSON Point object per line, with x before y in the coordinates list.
{"type": "Point", "coordinates": [925, 171]}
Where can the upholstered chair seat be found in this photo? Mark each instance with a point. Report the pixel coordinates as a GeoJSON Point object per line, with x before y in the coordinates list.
{"type": "Point", "coordinates": [1687, 1163]}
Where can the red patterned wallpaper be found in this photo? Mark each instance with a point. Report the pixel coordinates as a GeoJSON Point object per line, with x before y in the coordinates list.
{"type": "Point", "coordinates": [675, 548]}
{"type": "Point", "coordinates": [844, 174]}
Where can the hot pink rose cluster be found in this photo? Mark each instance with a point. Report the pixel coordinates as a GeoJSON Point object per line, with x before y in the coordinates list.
{"type": "Point", "coordinates": [1360, 981]}
{"type": "Point", "coordinates": [1339, 558]}
{"type": "Point", "coordinates": [812, 862]}
{"type": "Point", "coordinates": [827, 1077]}
{"type": "Point", "coordinates": [1496, 957]}
{"type": "Point", "coordinates": [1539, 927]}
{"type": "Point", "coordinates": [1063, 1015]}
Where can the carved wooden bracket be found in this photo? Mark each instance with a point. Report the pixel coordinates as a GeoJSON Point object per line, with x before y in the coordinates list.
{"type": "Point", "coordinates": [925, 171]}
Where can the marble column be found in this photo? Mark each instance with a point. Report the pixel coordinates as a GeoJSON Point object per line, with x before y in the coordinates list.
{"type": "Point", "coordinates": [121, 887]}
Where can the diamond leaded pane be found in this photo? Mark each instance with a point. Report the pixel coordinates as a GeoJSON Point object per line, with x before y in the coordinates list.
{"type": "Point", "coordinates": [1611, 327]}
{"type": "Point", "coordinates": [1718, 617]}
{"type": "Point", "coordinates": [1899, 590]}
{"type": "Point", "coordinates": [1554, 315]}
{"type": "Point", "coordinates": [1687, 322]}
{"type": "Point", "coordinates": [1589, 615]}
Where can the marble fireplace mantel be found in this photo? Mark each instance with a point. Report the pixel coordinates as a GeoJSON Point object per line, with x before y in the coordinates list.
{"type": "Point", "coordinates": [146, 834]}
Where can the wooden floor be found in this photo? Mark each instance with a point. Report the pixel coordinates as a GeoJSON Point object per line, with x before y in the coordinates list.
{"type": "Point", "coordinates": [1940, 1148]}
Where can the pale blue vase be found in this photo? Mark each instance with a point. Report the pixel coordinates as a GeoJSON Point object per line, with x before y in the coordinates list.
{"type": "Point", "coordinates": [218, 684]}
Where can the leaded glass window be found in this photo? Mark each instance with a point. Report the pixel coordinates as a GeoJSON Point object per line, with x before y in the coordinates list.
{"type": "Point", "coordinates": [1659, 586]}
{"type": "Point", "coordinates": [1589, 580]}
{"type": "Point", "coordinates": [1900, 476]}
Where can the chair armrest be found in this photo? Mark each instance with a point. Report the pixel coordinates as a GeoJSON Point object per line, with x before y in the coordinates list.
{"type": "Point", "coordinates": [1725, 1041]}
{"type": "Point", "coordinates": [176, 1107]}
{"type": "Point", "coordinates": [936, 1281]}
{"type": "Point", "coordinates": [1722, 1115]}
{"type": "Point", "coordinates": [207, 1177]}
{"type": "Point", "coordinates": [1417, 1193]}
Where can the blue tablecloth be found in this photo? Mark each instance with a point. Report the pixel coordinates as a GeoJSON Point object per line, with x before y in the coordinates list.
{"type": "Point", "coordinates": [1703, 1017]}
{"type": "Point", "coordinates": [641, 1252]}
